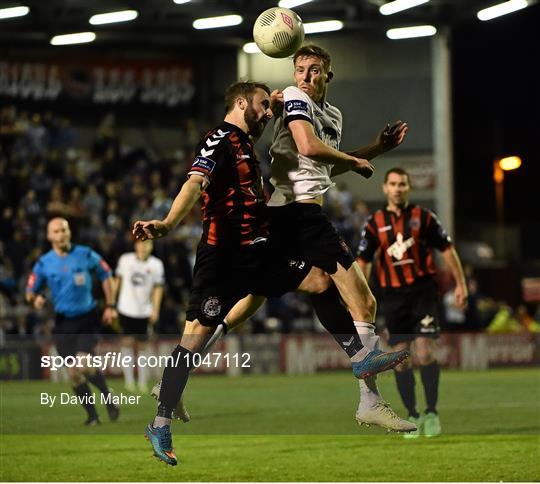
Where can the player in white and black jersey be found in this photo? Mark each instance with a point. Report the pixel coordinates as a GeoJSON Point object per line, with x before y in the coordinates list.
{"type": "Point", "coordinates": [140, 277]}
{"type": "Point", "coordinates": [305, 156]}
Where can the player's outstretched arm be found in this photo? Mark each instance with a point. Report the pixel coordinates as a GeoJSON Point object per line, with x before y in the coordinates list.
{"type": "Point", "coordinates": [389, 137]}
{"type": "Point", "coordinates": [183, 203]}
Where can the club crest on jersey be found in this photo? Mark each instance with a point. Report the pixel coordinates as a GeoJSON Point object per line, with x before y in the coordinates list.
{"type": "Point", "coordinates": [296, 105]}
{"type": "Point", "coordinates": [211, 307]}
{"type": "Point", "coordinates": [204, 163]}
{"type": "Point", "coordinates": [414, 223]}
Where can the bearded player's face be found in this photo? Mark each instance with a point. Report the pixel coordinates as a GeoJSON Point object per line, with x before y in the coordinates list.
{"type": "Point", "coordinates": [258, 113]}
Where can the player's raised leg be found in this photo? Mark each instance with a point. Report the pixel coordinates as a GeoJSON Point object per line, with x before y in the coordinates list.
{"type": "Point", "coordinates": [174, 380]}
{"type": "Point", "coordinates": [358, 342]}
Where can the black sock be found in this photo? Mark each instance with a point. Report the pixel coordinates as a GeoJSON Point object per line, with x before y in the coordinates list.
{"type": "Point", "coordinates": [335, 318]}
{"type": "Point", "coordinates": [83, 392]}
{"type": "Point", "coordinates": [98, 380]}
{"type": "Point", "coordinates": [175, 377]}
{"type": "Point", "coordinates": [406, 383]}
{"type": "Point", "coordinates": [430, 379]}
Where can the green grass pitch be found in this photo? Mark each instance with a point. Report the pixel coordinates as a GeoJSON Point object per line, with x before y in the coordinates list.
{"type": "Point", "coordinates": [279, 428]}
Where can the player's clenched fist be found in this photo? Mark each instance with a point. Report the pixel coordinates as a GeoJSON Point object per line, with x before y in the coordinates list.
{"type": "Point", "coordinates": [150, 229]}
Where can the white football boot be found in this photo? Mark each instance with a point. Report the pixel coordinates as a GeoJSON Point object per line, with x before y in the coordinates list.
{"type": "Point", "coordinates": [180, 411]}
{"type": "Point", "coordinates": [381, 414]}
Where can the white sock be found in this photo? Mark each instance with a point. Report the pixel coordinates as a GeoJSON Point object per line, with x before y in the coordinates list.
{"type": "Point", "coordinates": [142, 371]}
{"type": "Point", "coordinates": [369, 392]}
{"type": "Point", "coordinates": [128, 370]}
{"type": "Point", "coordinates": [161, 421]}
{"type": "Point", "coordinates": [366, 331]}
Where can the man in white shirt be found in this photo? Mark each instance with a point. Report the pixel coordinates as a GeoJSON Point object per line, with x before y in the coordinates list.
{"type": "Point", "coordinates": [139, 284]}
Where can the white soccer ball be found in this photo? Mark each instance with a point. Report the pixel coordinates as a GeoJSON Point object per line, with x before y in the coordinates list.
{"type": "Point", "coordinates": [278, 32]}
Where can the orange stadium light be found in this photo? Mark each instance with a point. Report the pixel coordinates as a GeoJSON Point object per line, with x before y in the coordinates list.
{"type": "Point", "coordinates": [499, 167]}
{"type": "Point", "coordinates": [510, 163]}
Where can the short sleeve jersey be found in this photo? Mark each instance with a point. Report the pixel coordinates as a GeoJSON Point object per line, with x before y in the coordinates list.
{"type": "Point", "coordinates": [233, 202]}
{"type": "Point", "coordinates": [294, 176]}
{"type": "Point", "coordinates": [138, 280]}
{"type": "Point", "coordinates": [69, 278]}
{"type": "Point", "coordinates": [402, 245]}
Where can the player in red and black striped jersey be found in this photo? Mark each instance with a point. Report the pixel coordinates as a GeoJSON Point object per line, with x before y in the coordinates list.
{"type": "Point", "coordinates": [233, 201]}
{"type": "Point", "coordinates": [233, 257]}
{"type": "Point", "coordinates": [401, 238]}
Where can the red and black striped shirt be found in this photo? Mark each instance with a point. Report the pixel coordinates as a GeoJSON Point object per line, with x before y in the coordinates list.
{"type": "Point", "coordinates": [233, 202]}
{"type": "Point", "coordinates": [402, 244]}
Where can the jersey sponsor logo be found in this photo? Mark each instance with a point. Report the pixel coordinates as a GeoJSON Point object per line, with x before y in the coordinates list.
{"type": "Point", "coordinates": [211, 307]}
{"type": "Point", "coordinates": [138, 279]}
{"type": "Point", "coordinates": [427, 324]}
{"type": "Point", "coordinates": [288, 21]}
{"type": "Point", "coordinates": [296, 105]}
{"type": "Point", "coordinates": [329, 137]}
{"type": "Point", "coordinates": [330, 132]}
{"type": "Point", "coordinates": [386, 228]}
{"type": "Point", "coordinates": [399, 247]}
{"type": "Point", "coordinates": [242, 157]}
{"type": "Point", "coordinates": [204, 163]}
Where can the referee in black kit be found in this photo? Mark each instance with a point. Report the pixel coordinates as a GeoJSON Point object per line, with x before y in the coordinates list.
{"type": "Point", "coordinates": [400, 237]}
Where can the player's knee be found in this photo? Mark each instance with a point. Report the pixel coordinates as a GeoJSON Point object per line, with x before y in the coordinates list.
{"type": "Point", "coordinates": [317, 282]}
{"type": "Point", "coordinates": [76, 376]}
{"type": "Point", "coordinates": [425, 357]}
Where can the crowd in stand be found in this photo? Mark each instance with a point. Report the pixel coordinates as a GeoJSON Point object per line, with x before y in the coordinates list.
{"type": "Point", "coordinates": [102, 191]}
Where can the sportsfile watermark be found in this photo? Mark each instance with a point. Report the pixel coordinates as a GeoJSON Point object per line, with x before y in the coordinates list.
{"type": "Point", "coordinates": [112, 359]}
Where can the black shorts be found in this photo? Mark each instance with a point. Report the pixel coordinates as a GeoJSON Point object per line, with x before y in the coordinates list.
{"type": "Point", "coordinates": [304, 231]}
{"type": "Point", "coordinates": [223, 276]}
{"type": "Point", "coordinates": [412, 311]}
{"type": "Point", "coordinates": [136, 327]}
{"type": "Point", "coordinates": [77, 335]}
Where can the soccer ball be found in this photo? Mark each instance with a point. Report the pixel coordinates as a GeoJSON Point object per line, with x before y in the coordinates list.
{"type": "Point", "coordinates": [278, 32]}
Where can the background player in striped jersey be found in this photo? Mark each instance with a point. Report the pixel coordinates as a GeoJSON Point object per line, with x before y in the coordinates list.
{"type": "Point", "coordinates": [139, 284]}
{"type": "Point", "coordinates": [400, 237]}
{"type": "Point", "coordinates": [67, 270]}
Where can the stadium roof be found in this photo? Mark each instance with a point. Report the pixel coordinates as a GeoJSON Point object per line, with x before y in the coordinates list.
{"type": "Point", "coordinates": [162, 23]}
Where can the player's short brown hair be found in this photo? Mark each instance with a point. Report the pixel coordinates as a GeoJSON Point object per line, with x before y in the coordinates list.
{"type": "Point", "coordinates": [245, 89]}
{"type": "Point", "coordinates": [399, 171]}
{"type": "Point", "coordinates": [312, 50]}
